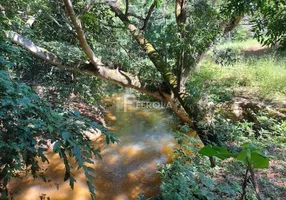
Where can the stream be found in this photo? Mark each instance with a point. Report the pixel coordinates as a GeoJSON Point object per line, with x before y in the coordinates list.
{"type": "Point", "coordinates": [128, 168]}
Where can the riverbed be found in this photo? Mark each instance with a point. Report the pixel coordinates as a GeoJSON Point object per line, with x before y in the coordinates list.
{"type": "Point", "coordinates": [127, 169]}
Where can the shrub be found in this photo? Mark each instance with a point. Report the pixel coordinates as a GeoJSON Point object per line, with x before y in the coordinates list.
{"type": "Point", "coordinates": [27, 125]}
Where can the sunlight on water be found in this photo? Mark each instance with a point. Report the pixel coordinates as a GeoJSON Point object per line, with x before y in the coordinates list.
{"type": "Point", "coordinates": [127, 168]}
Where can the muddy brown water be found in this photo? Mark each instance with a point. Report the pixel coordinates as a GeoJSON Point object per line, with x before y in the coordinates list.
{"type": "Point", "coordinates": [127, 169]}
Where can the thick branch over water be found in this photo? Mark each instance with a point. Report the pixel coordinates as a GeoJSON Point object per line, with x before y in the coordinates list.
{"type": "Point", "coordinates": [112, 75]}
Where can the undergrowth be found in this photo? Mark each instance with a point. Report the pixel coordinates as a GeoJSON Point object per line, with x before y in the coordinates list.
{"type": "Point", "coordinates": [264, 77]}
{"type": "Point", "coordinates": [191, 177]}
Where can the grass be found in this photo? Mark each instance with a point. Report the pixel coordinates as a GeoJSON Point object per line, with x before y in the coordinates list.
{"type": "Point", "coordinates": [262, 76]}
{"type": "Point", "coordinates": [237, 45]}
{"type": "Point", "coordinates": [258, 73]}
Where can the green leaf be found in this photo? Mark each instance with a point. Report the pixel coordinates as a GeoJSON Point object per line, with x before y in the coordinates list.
{"type": "Point", "coordinates": [57, 146]}
{"type": "Point", "coordinates": [251, 155]}
{"type": "Point", "coordinates": [90, 169]}
{"type": "Point", "coordinates": [67, 175]}
{"type": "Point", "coordinates": [77, 154]}
{"type": "Point", "coordinates": [220, 152]}
{"type": "Point", "coordinates": [3, 61]}
{"type": "Point", "coordinates": [76, 113]}
{"type": "Point", "coordinates": [97, 153]}
{"type": "Point", "coordinates": [72, 181]}
{"type": "Point", "coordinates": [178, 196]}
{"type": "Point", "coordinates": [158, 3]}
{"type": "Point", "coordinates": [50, 128]}
{"type": "Point", "coordinates": [89, 177]}
{"type": "Point", "coordinates": [242, 156]}
{"type": "Point", "coordinates": [89, 161]}
{"type": "Point", "coordinates": [107, 139]}
{"type": "Point", "coordinates": [259, 161]}
{"type": "Point", "coordinates": [66, 135]}
{"type": "Point", "coordinates": [207, 151]}
{"type": "Point", "coordinates": [91, 189]}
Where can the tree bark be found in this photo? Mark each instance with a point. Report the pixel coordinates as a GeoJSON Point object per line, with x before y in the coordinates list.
{"type": "Point", "coordinates": [149, 48]}
{"type": "Point", "coordinates": [112, 75]}
{"type": "Point", "coordinates": [181, 102]}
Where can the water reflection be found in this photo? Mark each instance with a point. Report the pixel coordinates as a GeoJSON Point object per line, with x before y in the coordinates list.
{"type": "Point", "coordinates": [127, 168]}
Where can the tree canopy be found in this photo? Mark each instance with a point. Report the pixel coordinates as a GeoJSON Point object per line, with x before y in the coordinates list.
{"type": "Point", "coordinates": [268, 18]}
{"type": "Point", "coordinates": [145, 46]}
{"type": "Point", "coordinates": [150, 46]}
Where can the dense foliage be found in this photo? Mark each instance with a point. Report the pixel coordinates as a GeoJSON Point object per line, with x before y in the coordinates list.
{"type": "Point", "coordinates": [268, 18]}
{"type": "Point", "coordinates": [190, 177]}
{"type": "Point", "coordinates": [154, 47]}
{"type": "Point", "coordinates": [29, 126]}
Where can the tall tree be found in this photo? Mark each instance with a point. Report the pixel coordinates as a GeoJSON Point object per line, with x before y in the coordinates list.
{"type": "Point", "coordinates": [171, 41]}
{"type": "Point", "coordinates": [268, 18]}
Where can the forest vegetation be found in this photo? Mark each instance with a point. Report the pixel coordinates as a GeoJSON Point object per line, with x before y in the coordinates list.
{"type": "Point", "coordinates": [220, 65]}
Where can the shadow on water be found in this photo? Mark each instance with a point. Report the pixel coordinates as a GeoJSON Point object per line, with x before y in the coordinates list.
{"type": "Point", "coordinates": [127, 168]}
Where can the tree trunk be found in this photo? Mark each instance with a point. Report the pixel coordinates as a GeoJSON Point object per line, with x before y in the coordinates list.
{"type": "Point", "coordinates": [182, 103]}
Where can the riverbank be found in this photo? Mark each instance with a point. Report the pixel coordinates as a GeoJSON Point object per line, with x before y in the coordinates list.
{"type": "Point", "coordinates": [126, 170]}
{"type": "Point", "coordinates": [245, 87]}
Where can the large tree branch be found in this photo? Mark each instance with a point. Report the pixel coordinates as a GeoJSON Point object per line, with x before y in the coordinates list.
{"type": "Point", "coordinates": [81, 36]}
{"type": "Point", "coordinates": [32, 48]}
{"type": "Point", "coordinates": [112, 75]}
{"type": "Point", "coordinates": [181, 12]}
{"type": "Point", "coordinates": [104, 73]}
{"type": "Point", "coordinates": [154, 56]}
{"type": "Point", "coordinates": [182, 64]}
{"type": "Point", "coordinates": [150, 50]}
{"type": "Point", "coordinates": [146, 20]}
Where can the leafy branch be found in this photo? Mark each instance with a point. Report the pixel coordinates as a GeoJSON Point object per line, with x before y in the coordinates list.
{"type": "Point", "coordinates": [250, 155]}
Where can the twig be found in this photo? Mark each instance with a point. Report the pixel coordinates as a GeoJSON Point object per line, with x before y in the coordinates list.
{"type": "Point", "coordinates": [244, 185]}
{"type": "Point", "coordinates": [148, 16]}
{"type": "Point", "coordinates": [127, 7]}
{"type": "Point", "coordinates": [254, 182]}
